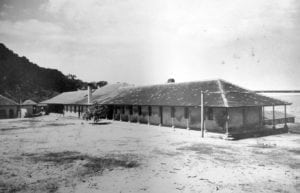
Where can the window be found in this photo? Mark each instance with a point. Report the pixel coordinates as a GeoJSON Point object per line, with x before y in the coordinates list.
{"type": "Point", "coordinates": [210, 114]}
{"type": "Point", "coordinates": [2, 113]}
{"type": "Point", "coordinates": [140, 110]}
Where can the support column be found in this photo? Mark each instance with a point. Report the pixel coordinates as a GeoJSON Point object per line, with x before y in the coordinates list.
{"type": "Point", "coordinates": [263, 116]}
{"type": "Point", "coordinates": [226, 123]}
{"type": "Point", "coordinates": [187, 118]}
{"type": "Point", "coordinates": [79, 111]}
{"type": "Point", "coordinates": [114, 111]}
{"type": "Point", "coordinates": [202, 114]}
{"type": "Point", "coordinates": [285, 121]}
{"type": "Point", "coordinates": [172, 116]}
{"type": "Point", "coordinates": [273, 121]}
{"type": "Point", "coordinates": [129, 114]}
{"type": "Point", "coordinates": [160, 116]}
{"type": "Point", "coordinates": [121, 112]}
{"type": "Point", "coordinates": [149, 114]}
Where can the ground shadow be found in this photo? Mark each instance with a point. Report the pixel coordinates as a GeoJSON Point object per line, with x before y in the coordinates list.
{"type": "Point", "coordinates": [101, 123]}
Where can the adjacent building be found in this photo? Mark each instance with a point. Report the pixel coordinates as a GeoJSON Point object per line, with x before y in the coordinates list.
{"type": "Point", "coordinates": [227, 108]}
{"type": "Point", "coordinates": [75, 103]}
{"type": "Point", "coordinates": [8, 108]}
{"type": "Point", "coordinates": [28, 108]}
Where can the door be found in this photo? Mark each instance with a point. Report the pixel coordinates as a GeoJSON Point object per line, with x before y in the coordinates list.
{"type": "Point", "coordinates": [11, 113]}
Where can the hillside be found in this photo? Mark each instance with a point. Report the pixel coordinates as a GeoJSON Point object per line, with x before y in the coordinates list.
{"type": "Point", "coordinates": [22, 79]}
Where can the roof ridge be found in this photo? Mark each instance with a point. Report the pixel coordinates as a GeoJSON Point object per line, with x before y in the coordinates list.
{"type": "Point", "coordinates": [8, 99]}
{"type": "Point", "coordinates": [225, 101]}
{"type": "Point", "coordinates": [176, 83]}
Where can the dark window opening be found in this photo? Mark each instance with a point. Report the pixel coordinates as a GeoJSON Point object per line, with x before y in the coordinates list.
{"type": "Point", "coordinates": [150, 110]}
{"type": "Point", "coordinates": [210, 114]}
{"type": "Point", "coordinates": [186, 112]}
{"type": "Point", "coordinates": [140, 110]}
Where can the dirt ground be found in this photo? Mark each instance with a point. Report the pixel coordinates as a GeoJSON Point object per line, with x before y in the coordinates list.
{"type": "Point", "coordinates": [57, 154]}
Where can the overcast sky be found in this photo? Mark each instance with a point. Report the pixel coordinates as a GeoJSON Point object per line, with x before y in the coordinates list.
{"type": "Point", "coordinates": [254, 43]}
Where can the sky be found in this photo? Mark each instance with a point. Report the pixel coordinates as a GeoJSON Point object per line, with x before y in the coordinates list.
{"type": "Point", "coordinates": [253, 43]}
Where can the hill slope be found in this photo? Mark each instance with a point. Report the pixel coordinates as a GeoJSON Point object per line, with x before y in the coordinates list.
{"type": "Point", "coordinates": [20, 79]}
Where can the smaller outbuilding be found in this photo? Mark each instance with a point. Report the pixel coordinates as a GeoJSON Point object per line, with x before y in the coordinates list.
{"type": "Point", "coordinates": [28, 108]}
{"type": "Point", "coordinates": [8, 108]}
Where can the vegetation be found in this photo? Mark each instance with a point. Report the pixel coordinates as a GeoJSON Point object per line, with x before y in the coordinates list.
{"type": "Point", "coordinates": [21, 79]}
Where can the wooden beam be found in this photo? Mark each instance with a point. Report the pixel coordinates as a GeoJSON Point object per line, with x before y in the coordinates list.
{"type": "Point", "coordinates": [187, 118]}
{"type": "Point", "coordinates": [160, 115]}
{"type": "Point", "coordinates": [149, 115]}
{"type": "Point", "coordinates": [202, 114]}
{"type": "Point", "coordinates": [129, 114]}
{"type": "Point", "coordinates": [226, 123]}
{"type": "Point", "coordinates": [263, 115]}
{"type": "Point", "coordinates": [285, 121]}
{"type": "Point", "coordinates": [273, 107]}
{"type": "Point", "coordinates": [114, 111]}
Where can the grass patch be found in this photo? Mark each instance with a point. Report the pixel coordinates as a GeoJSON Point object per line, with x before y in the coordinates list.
{"type": "Point", "coordinates": [91, 165]}
{"type": "Point", "coordinates": [56, 124]}
{"type": "Point", "coordinates": [13, 128]}
{"type": "Point", "coordinates": [198, 148]}
{"type": "Point", "coordinates": [295, 151]}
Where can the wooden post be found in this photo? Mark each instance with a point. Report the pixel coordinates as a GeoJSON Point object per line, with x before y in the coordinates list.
{"type": "Point", "coordinates": [139, 114]}
{"type": "Point", "coordinates": [187, 118]}
{"type": "Point", "coordinates": [273, 107]}
{"type": "Point", "coordinates": [172, 116]}
{"type": "Point", "coordinates": [202, 114]}
{"type": "Point", "coordinates": [263, 115]}
{"type": "Point", "coordinates": [129, 115]}
{"type": "Point", "coordinates": [148, 115]}
{"type": "Point", "coordinates": [79, 111]}
{"type": "Point", "coordinates": [285, 121]}
{"type": "Point", "coordinates": [114, 111]}
{"type": "Point", "coordinates": [160, 116]}
{"type": "Point", "coordinates": [226, 123]}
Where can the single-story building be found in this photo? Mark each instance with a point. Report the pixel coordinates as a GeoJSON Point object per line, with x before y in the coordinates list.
{"type": "Point", "coordinates": [8, 108]}
{"type": "Point", "coordinates": [28, 108]}
{"type": "Point", "coordinates": [75, 103]}
{"type": "Point", "coordinates": [227, 108]}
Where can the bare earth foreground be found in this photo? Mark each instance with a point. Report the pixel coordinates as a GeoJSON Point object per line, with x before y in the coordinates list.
{"type": "Point", "coordinates": [56, 154]}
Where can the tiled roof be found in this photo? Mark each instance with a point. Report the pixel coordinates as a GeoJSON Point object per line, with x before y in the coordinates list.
{"type": "Point", "coordinates": [80, 97]}
{"type": "Point", "coordinates": [103, 94]}
{"type": "Point", "coordinates": [6, 101]}
{"type": "Point", "coordinates": [217, 93]}
{"type": "Point", "coordinates": [67, 97]}
{"type": "Point", "coordinates": [29, 102]}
